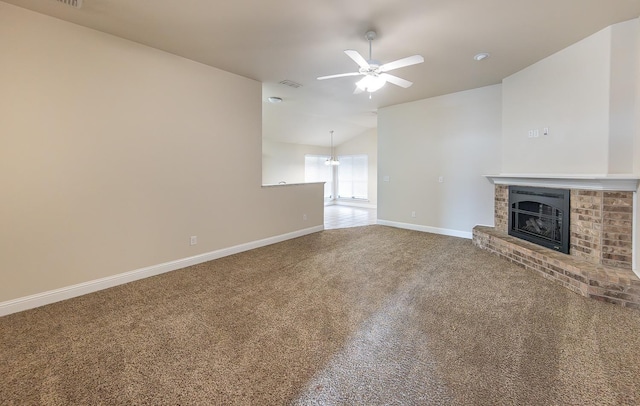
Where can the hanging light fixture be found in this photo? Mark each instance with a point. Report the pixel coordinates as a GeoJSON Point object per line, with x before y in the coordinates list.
{"type": "Point", "coordinates": [331, 160]}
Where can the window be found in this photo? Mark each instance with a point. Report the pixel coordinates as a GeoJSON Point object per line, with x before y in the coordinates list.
{"type": "Point", "coordinates": [316, 171]}
{"type": "Point", "coordinates": [353, 177]}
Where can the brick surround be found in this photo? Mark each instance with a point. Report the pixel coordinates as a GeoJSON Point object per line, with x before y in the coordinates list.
{"type": "Point", "coordinates": [501, 208]}
{"type": "Point", "coordinates": [601, 224]}
{"type": "Point", "coordinates": [600, 259]}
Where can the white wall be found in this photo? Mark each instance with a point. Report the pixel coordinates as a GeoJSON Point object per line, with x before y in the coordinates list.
{"type": "Point", "coordinates": [583, 95]}
{"type": "Point", "coordinates": [113, 154]}
{"type": "Point", "coordinates": [589, 96]}
{"type": "Point", "coordinates": [636, 159]}
{"type": "Point", "coordinates": [365, 143]}
{"type": "Point", "coordinates": [625, 76]}
{"type": "Point", "coordinates": [636, 143]}
{"type": "Point", "coordinates": [456, 136]}
{"type": "Point", "coordinates": [282, 161]}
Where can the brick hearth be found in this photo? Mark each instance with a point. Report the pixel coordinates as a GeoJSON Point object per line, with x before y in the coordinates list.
{"type": "Point", "coordinates": [599, 264]}
{"type": "Point", "coordinates": [613, 285]}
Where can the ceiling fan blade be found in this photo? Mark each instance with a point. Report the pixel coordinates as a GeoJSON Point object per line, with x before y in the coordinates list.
{"type": "Point", "coordinates": [401, 63]}
{"type": "Point", "coordinates": [339, 75]}
{"type": "Point", "coordinates": [357, 58]}
{"type": "Point", "coordinates": [396, 80]}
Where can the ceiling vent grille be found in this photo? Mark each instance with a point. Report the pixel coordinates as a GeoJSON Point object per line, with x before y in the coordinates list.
{"type": "Point", "coordinates": [72, 3]}
{"type": "Point", "coordinates": [290, 83]}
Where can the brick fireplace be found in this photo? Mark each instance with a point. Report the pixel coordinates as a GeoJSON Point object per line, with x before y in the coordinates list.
{"type": "Point", "coordinates": [600, 257]}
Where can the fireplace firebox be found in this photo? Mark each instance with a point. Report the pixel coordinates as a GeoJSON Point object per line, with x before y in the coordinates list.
{"type": "Point", "coordinates": [540, 215]}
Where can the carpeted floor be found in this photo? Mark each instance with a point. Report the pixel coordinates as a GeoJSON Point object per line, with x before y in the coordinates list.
{"type": "Point", "coordinates": [371, 315]}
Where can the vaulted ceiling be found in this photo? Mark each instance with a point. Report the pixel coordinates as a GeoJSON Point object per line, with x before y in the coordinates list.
{"type": "Point", "coordinates": [299, 40]}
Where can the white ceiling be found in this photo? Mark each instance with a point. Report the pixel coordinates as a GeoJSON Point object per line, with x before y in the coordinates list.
{"type": "Point", "coordinates": [299, 40]}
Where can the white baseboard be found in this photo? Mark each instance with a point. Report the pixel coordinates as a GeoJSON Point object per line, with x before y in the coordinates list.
{"type": "Point", "coordinates": [68, 292]}
{"type": "Point", "coordinates": [427, 229]}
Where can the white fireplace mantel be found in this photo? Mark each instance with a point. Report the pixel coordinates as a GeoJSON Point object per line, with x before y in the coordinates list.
{"type": "Point", "coordinates": [627, 183]}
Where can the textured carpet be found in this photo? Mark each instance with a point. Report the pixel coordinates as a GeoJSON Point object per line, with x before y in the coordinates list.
{"type": "Point", "coordinates": [370, 315]}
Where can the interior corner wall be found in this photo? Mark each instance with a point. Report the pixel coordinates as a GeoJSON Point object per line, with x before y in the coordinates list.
{"type": "Point", "coordinates": [365, 143]}
{"type": "Point", "coordinates": [624, 78]}
{"type": "Point", "coordinates": [568, 93]}
{"type": "Point", "coordinates": [456, 137]}
{"type": "Point", "coordinates": [636, 140]}
{"type": "Point", "coordinates": [112, 154]}
{"type": "Point", "coordinates": [584, 94]}
{"type": "Point", "coordinates": [636, 143]}
{"type": "Point", "coordinates": [284, 162]}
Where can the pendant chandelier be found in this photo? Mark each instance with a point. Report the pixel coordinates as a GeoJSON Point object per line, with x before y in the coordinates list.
{"type": "Point", "coordinates": [331, 160]}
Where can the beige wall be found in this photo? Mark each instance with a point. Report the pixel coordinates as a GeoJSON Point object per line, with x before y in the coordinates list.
{"type": "Point", "coordinates": [583, 95]}
{"type": "Point", "coordinates": [113, 154]}
{"type": "Point", "coordinates": [365, 143]}
{"type": "Point", "coordinates": [282, 161]}
{"type": "Point", "coordinates": [456, 136]}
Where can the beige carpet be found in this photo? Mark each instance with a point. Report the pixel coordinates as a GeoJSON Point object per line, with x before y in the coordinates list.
{"type": "Point", "coordinates": [370, 315]}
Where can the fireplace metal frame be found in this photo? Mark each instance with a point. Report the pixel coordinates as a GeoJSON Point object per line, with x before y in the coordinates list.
{"type": "Point", "coordinates": [556, 198]}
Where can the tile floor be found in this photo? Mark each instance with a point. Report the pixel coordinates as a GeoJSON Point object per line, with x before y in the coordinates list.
{"type": "Point", "coordinates": [337, 216]}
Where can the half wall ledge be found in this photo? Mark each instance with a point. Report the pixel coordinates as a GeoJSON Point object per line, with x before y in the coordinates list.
{"type": "Point", "coordinates": [612, 285]}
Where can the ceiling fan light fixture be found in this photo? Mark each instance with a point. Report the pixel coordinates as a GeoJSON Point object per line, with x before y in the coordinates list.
{"type": "Point", "coordinates": [376, 83]}
{"type": "Point", "coordinates": [371, 83]}
{"type": "Point", "coordinates": [362, 83]}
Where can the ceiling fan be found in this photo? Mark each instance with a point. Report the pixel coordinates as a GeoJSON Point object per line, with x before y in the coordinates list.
{"type": "Point", "coordinates": [375, 75]}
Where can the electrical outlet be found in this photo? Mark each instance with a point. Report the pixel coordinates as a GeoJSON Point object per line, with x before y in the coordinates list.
{"type": "Point", "coordinates": [545, 131]}
{"type": "Point", "coordinates": [193, 240]}
{"type": "Point", "coordinates": [304, 217]}
{"type": "Point", "coordinates": [413, 214]}
{"type": "Point", "coordinates": [441, 179]}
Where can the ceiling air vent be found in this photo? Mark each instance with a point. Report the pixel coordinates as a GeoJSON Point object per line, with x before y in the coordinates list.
{"type": "Point", "coordinates": [72, 3]}
{"type": "Point", "coordinates": [290, 83]}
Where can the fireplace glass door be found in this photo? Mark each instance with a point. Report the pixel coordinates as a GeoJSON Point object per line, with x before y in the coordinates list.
{"type": "Point", "coordinates": [540, 216]}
